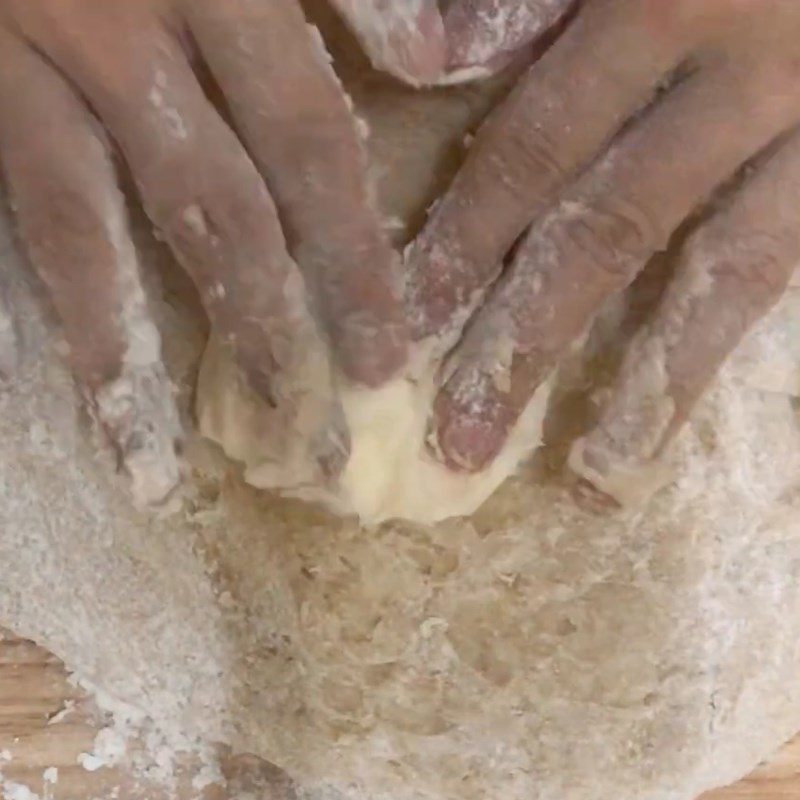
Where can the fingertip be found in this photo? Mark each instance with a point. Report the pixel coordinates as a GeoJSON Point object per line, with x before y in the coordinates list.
{"type": "Point", "coordinates": [419, 55]}
{"type": "Point", "coordinates": [138, 415]}
{"type": "Point", "coordinates": [466, 436]}
{"type": "Point", "coordinates": [372, 355]}
{"type": "Point", "coordinates": [333, 444]}
{"type": "Point", "coordinates": [406, 42]}
{"type": "Point", "coordinates": [156, 475]}
{"type": "Point", "coordinates": [491, 35]}
{"type": "Point", "coordinates": [463, 444]}
{"type": "Point", "coordinates": [609, 478]}
{"type": "Point", "coordinates": [475, 39]}
{"type": "Point", "coordinates": [460, 33]}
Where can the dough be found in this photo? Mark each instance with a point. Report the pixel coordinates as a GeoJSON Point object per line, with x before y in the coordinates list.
{"type": "Point", "coordinates": [530, 652]}
{"type": "Point", "coordinates": [390, 473]}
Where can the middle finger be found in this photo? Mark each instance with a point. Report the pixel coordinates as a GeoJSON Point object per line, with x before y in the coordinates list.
{"type": "Point", "coordinates": [294, 116]}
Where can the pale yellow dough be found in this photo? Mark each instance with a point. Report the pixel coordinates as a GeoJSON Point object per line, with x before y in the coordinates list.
{"type": "Point", "coordinates": [391, 473]}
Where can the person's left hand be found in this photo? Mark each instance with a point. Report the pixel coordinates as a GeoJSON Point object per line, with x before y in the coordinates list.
{"type": "Point", "coordinates": [269, 213]}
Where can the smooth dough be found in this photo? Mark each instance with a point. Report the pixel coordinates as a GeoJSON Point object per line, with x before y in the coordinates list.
{"type": "Point", "coordinates": [390, 473]}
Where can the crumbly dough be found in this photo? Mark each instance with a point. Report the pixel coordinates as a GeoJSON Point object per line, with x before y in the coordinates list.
{"type": "Point", "coordinates": [530, 652]}
{"type": "Point", "coordinates": [390, 473]}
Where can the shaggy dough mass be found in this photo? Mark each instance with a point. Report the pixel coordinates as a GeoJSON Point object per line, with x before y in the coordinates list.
{"type": "Point", "coordinates": [389, 475]}
{"type": "Point", "coordinates": [529, 652]}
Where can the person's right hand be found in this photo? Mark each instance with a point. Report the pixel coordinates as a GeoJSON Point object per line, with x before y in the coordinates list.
{"type": "Point", "coordinates": [639, 113]}
{"type": "Point", "coordinates": [240, 210]}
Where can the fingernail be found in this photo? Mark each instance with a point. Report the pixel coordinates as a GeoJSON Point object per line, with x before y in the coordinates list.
{"type": "Point", "coordinates": [459, 37]}
{"type": "Point", "coordinates": [481, 41]}
{"type": "Point", "coordinates": [466, 444]}
{"type": "Point", "coordinates": [421, 55]}
{"type": "Point", "coordinates": [428, 54]}
{"type": "Point", "coordinates": [470, 428]}
{"type": "Point", "coordinates": [472, 41]}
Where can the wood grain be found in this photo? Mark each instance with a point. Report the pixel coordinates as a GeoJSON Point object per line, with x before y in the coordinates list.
{"type": "Point", "coordinates": [778, 779]}
{"type": "Point", "coordinates": [45, 722]}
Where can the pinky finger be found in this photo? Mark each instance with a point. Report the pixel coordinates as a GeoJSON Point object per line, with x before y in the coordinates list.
{"type": "Point", "coordinates": [734, 269]}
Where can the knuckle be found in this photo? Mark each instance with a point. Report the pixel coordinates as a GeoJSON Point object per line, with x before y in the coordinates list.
{"type": "Point", "coordinates": [62, 228]}
{"type": "Point", "coordinates": [758, 264]}
{"type": "Point", "coordinates": [526, 159]}
{"type": "Point", "coordinates": [614, 239]}
{"type": "Point", "coordinates": [222, 208]}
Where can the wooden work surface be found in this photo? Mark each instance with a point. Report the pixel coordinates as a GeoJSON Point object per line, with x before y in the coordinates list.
{"type": "Point", "coordinates": [34, 690]}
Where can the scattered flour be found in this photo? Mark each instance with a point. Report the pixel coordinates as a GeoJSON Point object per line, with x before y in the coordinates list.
{"type": "Point", "coordinates": [91, 763]}
{"type": "Point", "coordinates": [151, 753]}
{"type": "Point", "coordinates": [17, 791]}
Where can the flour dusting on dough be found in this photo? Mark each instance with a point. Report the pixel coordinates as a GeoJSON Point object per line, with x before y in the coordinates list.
{"type": "Point", "coordinates": [390, 473]}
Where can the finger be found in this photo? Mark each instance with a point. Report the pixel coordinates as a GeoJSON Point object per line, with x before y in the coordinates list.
{"type": "Point", "coordinates": [295, 119]}
{"type": "Point", "coordinates": [404, 37]}
{"type": "Point", "coordinates": [733, 271]}
{"type": "Point", "coordinates": [486, 33]}
{"type": "Point", "coordinates": [198, 186]}
{"type": "Point", "coordinates": [593, 243]}
{"type": "Point", "coordinates": [71, 218]}
{"type": "Point", "coordinates": [571, 102]}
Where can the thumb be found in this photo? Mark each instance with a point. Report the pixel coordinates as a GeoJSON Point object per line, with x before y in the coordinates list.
{"type": "Point", "coordinates": [489, 33]}
{"type": "Point", "coordinates": [402, 37]}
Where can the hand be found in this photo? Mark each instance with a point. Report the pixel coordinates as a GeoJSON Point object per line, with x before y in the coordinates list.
{"type": "Point", "coordinates": [637, 114]}
{"type": "Point", "coordinates": [240, 210]}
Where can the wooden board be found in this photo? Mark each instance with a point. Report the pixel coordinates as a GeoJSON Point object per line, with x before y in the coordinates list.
{"type": "Point", "coordinates": [45, 723]}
